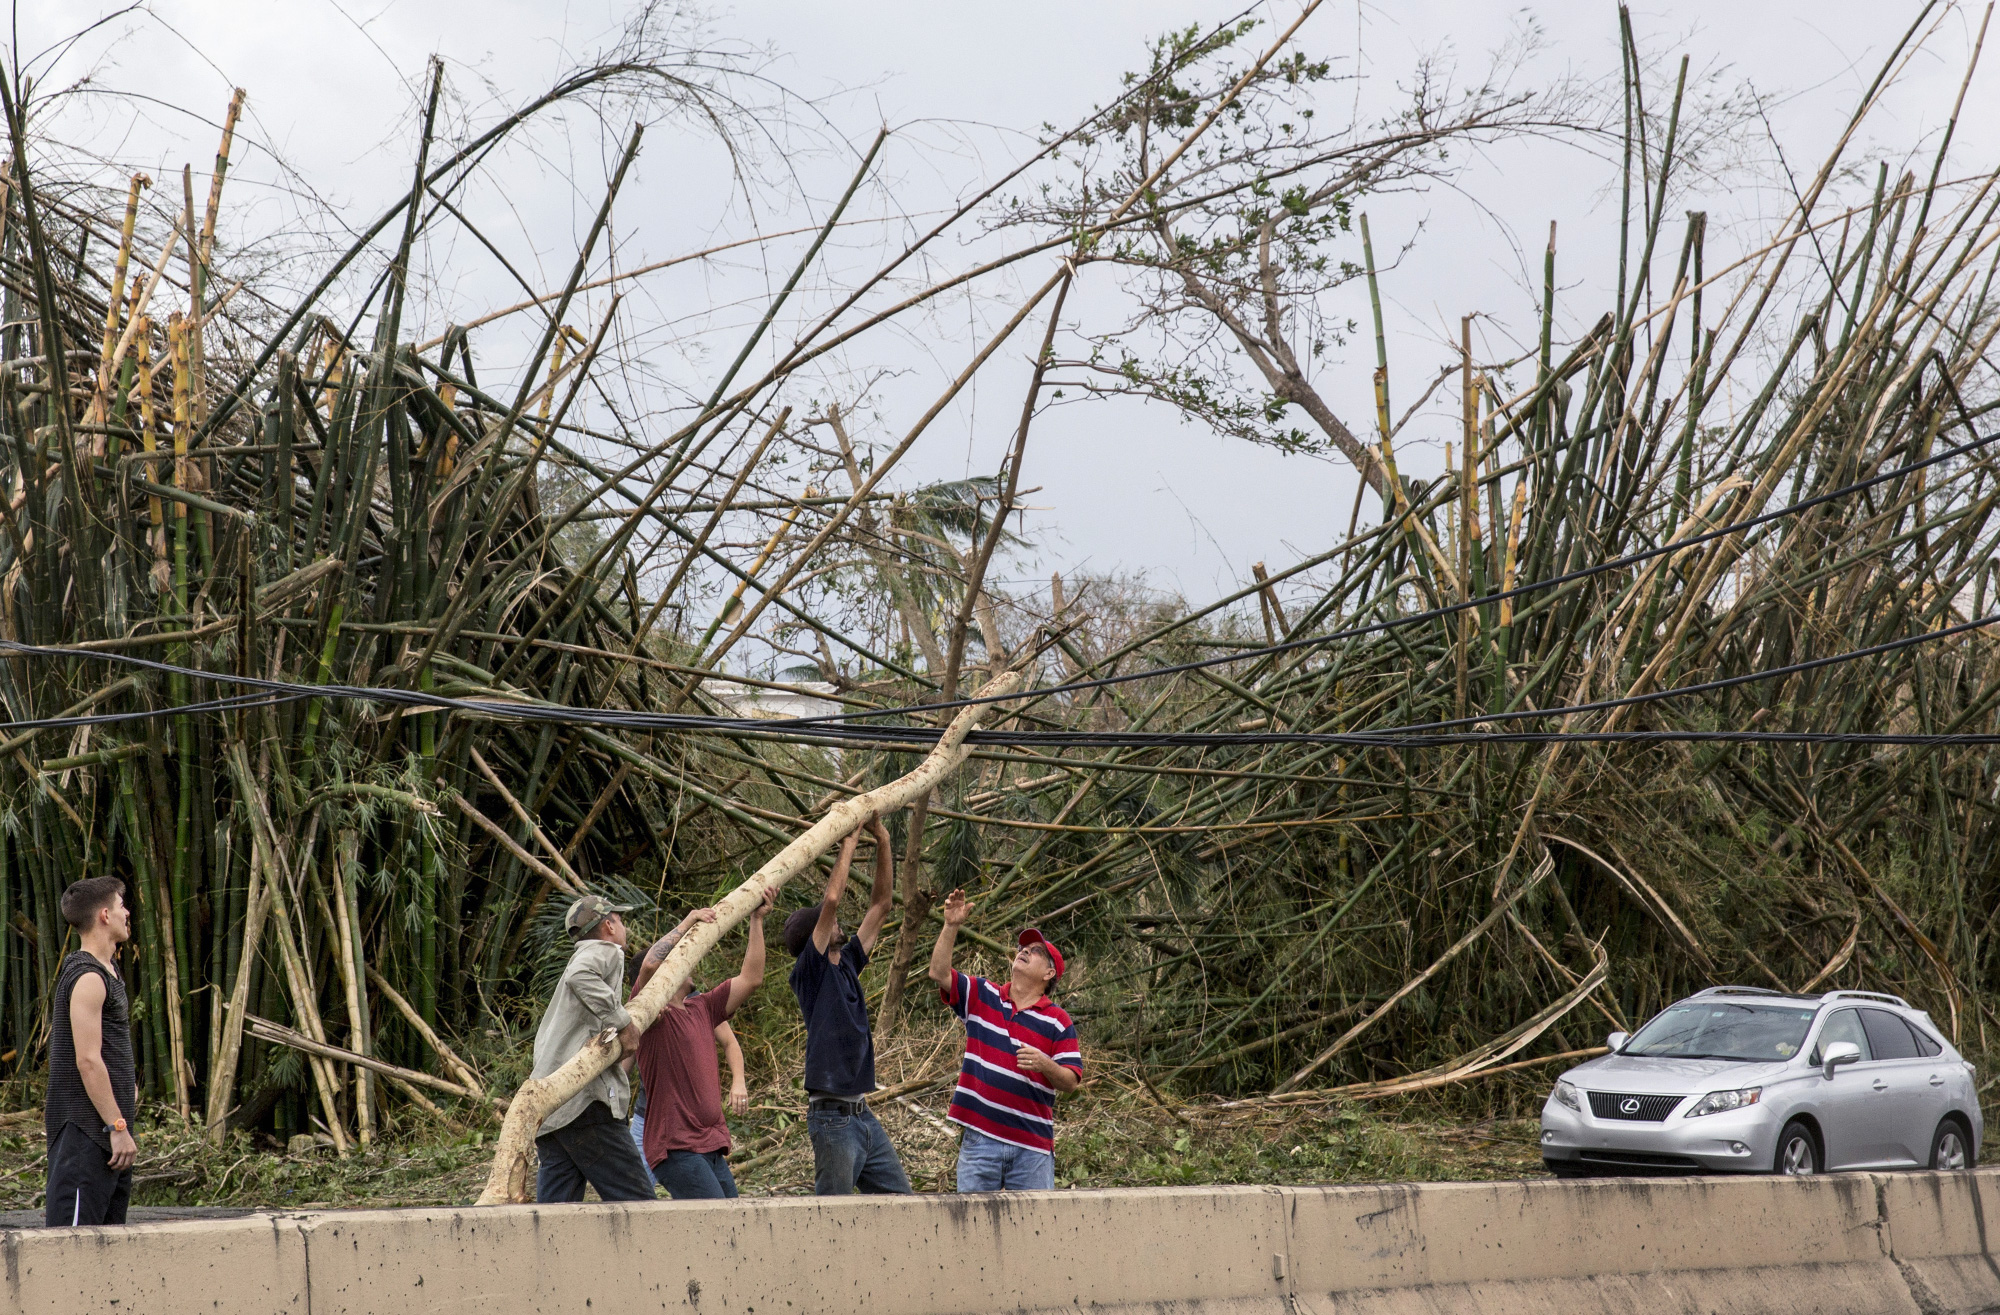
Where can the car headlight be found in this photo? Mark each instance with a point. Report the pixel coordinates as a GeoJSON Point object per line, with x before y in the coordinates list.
{"type": "Point", "coordinates": [1718, 1102]}
{"type": "Point", "coordinates": [1565, 1094]}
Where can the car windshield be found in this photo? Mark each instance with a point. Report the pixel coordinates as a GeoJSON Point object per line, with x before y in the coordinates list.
{"type": "Point", "coordinates": [1721, 1029]}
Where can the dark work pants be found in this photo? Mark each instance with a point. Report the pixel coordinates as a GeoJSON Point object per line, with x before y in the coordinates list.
{"type": "Point", "coordinates": [696, 1176]}
{"type": "Point", "coordinates": [595, 1149]}
{"type": "Point", "coordinates": [82, 1187]}
{"type": "Point", "coordinates": [851, 1152]}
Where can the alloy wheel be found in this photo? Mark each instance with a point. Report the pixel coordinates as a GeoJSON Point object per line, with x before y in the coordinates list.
{"type": "Point", "coordinates": [1797, 1160]}
{"type": "Point", "coordinates": [1950, 1150]}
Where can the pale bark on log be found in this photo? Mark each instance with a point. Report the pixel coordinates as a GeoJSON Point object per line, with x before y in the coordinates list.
{"type": "Point", "coordinates": [507, 1183]}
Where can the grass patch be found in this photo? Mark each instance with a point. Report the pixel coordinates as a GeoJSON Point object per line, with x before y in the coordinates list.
{"type": "Point", "coordinates": [1112, 1133]}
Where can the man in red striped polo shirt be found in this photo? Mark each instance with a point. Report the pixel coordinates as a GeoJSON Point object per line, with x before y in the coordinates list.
{"type": "Point", "coordinates": [1020, 1050]}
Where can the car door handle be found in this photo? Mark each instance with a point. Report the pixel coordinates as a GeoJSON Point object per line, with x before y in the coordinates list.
{"type": "Point", "coordinates": [1936, 1080]}
{"type": "Point", "coordinates": [1881, 1085]}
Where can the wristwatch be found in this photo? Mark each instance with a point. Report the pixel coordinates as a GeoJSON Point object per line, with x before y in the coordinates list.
{"type": "Point", "coordinates": [119, 1126]}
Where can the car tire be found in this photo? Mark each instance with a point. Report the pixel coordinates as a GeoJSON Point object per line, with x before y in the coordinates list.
{"type": "Point", "coordinates": [1566, 1169]}
{"type": "Point", "coordinates": [1951, 1147]}
{"type": "Point", "coordinates": [1798, 1151]}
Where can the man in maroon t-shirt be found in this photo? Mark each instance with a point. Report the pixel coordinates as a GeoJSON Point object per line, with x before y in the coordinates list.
{"type": "Point", "coordinates": [687, 1141]}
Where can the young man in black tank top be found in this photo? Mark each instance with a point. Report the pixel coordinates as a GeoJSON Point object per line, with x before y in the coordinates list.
{"type": "Point", "coordinates": [93, 1089]}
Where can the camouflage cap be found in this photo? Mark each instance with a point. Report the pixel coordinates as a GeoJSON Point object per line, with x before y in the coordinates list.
{"type": "Point", "coordinates": [586, 913]}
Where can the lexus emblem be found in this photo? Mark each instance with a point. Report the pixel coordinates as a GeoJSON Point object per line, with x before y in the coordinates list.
{"type": "Point", "coordinates": [1630, 1105]}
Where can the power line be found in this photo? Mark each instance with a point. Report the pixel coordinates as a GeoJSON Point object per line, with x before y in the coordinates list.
{"type": "Point", "coordinates": [828, 731]}
{"type": "Point", "coordinates": [1452, 609]}
{"type": "Point", "coordinates": [850, 728]}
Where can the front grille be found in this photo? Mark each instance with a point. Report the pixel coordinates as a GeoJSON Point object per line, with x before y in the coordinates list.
{"type": "Point", "coordinates": [1635, 1109]}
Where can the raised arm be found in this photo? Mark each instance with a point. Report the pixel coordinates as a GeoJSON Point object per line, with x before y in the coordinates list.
{"type": "Point", "coordinates": [955, 912]}
{"type": "Point", "coordinates": [732, 1050]}
{"type": "Point", "coordinates": [836, 886]}
{"type": "Point", "coordinates": [656, 953]}
{"type": "Point", "coordinates": [86, 1026]}
{"type": "Point", "coordinates": [883, 893]}
{"type": "Point", "coordinates": [752, 973]}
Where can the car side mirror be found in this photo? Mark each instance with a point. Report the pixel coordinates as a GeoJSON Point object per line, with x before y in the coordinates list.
{"type": "Point", "coordinates": [1617, 1041]}
{"type": "Point", "coordinates": [1840, 1052]}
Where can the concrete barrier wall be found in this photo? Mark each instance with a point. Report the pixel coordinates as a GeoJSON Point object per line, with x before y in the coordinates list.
{"type": "Point", "coordinates": [1869, 1244]}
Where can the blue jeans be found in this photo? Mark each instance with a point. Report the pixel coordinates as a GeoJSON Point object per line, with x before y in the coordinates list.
{"type": "Point", "coordinates": [851, 1153]}
{"type": "Point", "coordinates": [639, 1143]}
{"type": "Point", "coordinates": [596, 1149]}
{"type": "Point", "coordinates": [986, 1164]}
{"type": "Point", "coordinates": [696, 1176]}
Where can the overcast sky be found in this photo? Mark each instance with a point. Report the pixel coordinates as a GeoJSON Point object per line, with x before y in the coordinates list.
{"type": "Point", "coordinates": [333, 88]}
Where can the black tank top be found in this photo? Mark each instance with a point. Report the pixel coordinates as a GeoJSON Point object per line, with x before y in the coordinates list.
{"type": "Point", "coordinates": [68, 1102]}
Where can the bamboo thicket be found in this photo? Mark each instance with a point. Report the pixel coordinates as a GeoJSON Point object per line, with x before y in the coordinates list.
{"type": "Point", "coordinates": [332, 891]}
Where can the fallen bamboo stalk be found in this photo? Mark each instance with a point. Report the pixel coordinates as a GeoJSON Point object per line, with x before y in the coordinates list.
{"type": "Point", "coordinates": [277, 1033]}
{"type": "Point", "coordinates": [1483, 1057]}
{"type": "Point", "coordinates": [417, 1096]}
{"type": "Point", "coordinates": [1464, 942]}
{"type": "Point", "coordinates": [534, 827]}
{"type": "Point", "coordinates": [305, 1003]}
{"type": "Point", "coordinates": [533, 864]}
{"type": "Point", "coordinates": [349, 960]}
{"type": "Point", "coordinates": [263, 874]}
{"type": "Point", "coordinates": [416, 1020]}
{"type": "Point", "coordinates": [767, 1149]}
{"type": "Point", "coordinates": [755, 1153]}
{"type": "Point", "coordinates": [1645, 896]}
{"type": "Point", "coordinates": [1317, 1096]}
{"type": "Point", "coordinates": [538, 1096]}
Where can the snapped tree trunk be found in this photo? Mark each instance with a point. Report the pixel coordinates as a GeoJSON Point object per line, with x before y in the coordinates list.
{"type": "Point", "coordinates": [507, 1183]}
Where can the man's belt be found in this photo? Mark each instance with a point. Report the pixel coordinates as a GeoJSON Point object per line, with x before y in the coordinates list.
{"type": "Point", "coordinates": [849, 1106]}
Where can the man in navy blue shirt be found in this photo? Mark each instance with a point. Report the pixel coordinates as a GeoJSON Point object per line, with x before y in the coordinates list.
{"type": "Point", "coordinates": [851, 1152]}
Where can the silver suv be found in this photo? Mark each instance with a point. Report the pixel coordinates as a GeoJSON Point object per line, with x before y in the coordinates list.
{"type": "Point", "coordinates": [1736, 1078]}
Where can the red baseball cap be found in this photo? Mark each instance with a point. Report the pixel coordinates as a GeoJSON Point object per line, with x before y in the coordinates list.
{"type": "Point", "coordinates": [1033, 937]}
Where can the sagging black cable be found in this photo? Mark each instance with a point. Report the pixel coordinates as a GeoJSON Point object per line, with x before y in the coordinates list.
{"type": "Point", "coordinates": [234, 703]}
{"type": "Point", "coordinates": [846, 728]}
{"type": "Point", "coordinates": [824, 732]}
{"type": "Point", "coordinates": [1449, 609]}
{"type": "Point", "coordinates": [1365, 740]}
{"type": "Point", "coordinates": [1707, 686]}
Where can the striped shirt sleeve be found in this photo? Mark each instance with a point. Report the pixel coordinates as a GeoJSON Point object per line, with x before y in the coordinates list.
{"type": "Point", "coordinates": [1067, 1052]}
{"type": "Point", "coordinates": [957, 993]}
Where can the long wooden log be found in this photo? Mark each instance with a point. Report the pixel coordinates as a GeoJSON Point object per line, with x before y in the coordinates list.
{"type": "Point", "coordinates": [507, 1183]}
